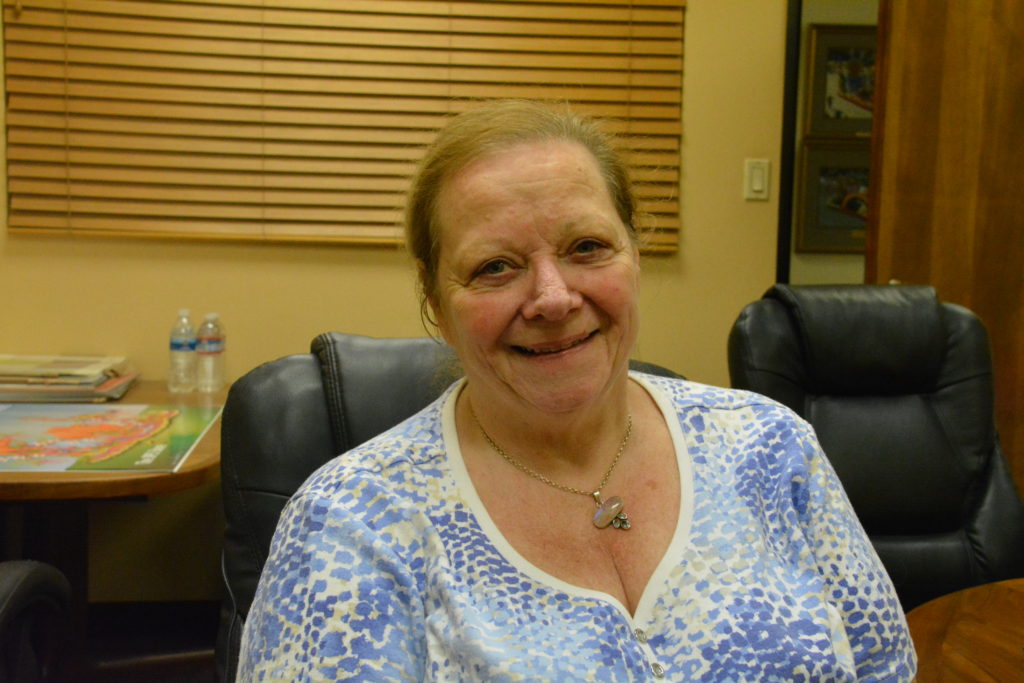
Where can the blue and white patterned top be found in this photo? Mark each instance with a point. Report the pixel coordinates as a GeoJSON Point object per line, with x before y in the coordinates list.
{"type": "Point", "coordinates": [386, 567]}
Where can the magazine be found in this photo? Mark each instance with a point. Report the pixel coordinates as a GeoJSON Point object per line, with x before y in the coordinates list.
{"type": "Point", "coordinates": [110, 389]}
{"type": "Point", "coordinates": [77, 437]}
{"type": "Point", "coordinates": [62, 369]}
{"type": "Point", "coordinates": [71, 379]}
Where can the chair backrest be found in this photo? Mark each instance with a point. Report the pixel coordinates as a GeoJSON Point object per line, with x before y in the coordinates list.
{"type": "Point", "coordinates": [898, 387]}
{"type": "Point", "coordinates": [288, 417]}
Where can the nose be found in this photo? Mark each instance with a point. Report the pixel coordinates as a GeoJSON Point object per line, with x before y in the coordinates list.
{"type": "Point", "coordinates": [553, 295]}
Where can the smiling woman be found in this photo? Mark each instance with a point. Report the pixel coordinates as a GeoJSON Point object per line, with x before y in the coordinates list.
{"type": "Point", "coordinates": [553, 515]}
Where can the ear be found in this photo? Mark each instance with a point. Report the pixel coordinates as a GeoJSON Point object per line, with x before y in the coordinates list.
{"type": "Point", "coordinates": [431, 308]}
{"type": "Point", "coordinates": [440, 320]}
{"type": "Point", "coordinates": [635, 253]}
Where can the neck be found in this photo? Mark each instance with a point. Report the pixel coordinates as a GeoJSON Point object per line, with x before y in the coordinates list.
{"type": "Point", "coordinates": [573, 442]}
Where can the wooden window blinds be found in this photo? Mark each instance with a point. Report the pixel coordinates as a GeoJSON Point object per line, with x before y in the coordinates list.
{"type": "Point", "coordinates": [302, 120]}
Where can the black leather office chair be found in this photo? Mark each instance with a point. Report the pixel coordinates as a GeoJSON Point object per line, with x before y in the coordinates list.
{"type": "Point", "coordinates": [35, 619]}
{"type": "Point", "coordinates": [898, 387]}
{"type": "Point", "coordinates": [288, 417]}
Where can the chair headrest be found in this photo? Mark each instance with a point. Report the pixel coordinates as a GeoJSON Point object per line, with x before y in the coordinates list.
{"type": "Point", "coordinates": [867, 338]}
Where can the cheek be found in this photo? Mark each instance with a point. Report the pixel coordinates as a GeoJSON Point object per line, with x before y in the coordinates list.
{"type": "Point", "coordinates": [615, 294]}
{"type": "Point", "coordinates": [479, 322]}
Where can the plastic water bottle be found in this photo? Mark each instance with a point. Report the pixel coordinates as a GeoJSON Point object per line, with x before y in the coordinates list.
{"type": "Point", "coordinates": [181, 376]}
{"type": "Point", "coordinates": [210, 349]}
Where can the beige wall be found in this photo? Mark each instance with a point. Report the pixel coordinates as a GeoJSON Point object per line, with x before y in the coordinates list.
{"type": "Point", "coordinates": [70, 295]}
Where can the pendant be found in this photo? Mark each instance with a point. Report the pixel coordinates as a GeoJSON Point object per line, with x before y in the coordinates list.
{"type": "Point", "coordinates": [610, 512]}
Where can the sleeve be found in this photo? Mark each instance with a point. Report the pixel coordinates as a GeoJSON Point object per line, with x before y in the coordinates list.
{"type": "Point", "coordinates": [857, 584]}
{"type": "Point", "coordinates": [335, 600]}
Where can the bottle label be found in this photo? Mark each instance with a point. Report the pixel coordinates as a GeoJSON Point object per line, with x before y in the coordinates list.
{"type": "Point", "coordinates": [210, 345]}
{"type": "Point", "coordinates": [179, 344]}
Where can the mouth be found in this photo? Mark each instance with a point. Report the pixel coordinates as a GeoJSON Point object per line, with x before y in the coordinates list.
{"type": "Point", "coordinates": [552, 349]}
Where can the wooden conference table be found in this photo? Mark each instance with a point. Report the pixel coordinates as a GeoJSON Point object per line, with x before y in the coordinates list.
{"type": "Point", "coordinates": [46, 514]}
{"type": "Point", "coordinates": [202, 465]}
{"type": "Point", "coordinates": [976, 634]}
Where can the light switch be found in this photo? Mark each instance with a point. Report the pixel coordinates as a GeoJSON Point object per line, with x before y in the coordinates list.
{"type": "Point", "coordinates": [756, 179]}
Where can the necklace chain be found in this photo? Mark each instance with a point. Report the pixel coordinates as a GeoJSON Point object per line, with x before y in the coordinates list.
{"type": "Point", "coordinates": [540, 477]}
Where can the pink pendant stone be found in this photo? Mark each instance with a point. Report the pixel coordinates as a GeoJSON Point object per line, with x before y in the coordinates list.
{"type": "Point", "coordinates": [607, 511]}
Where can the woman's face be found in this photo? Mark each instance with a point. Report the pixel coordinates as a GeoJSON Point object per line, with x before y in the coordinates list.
{"type": "Point", "coordinates": [537, 278]}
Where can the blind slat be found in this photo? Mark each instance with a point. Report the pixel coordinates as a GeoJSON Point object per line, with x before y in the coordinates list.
{"type": "Point", "coordinates": [42, 78]}
{"type": "Point", "coordinates": [392, 136]}
{"type": "Point", "coordinates": [148, 65]}
{"type": "Point", "coordinates": [116, 143]}
{"type": "Point", "coordinates": [595, 58]}
{"type": "Point", "coordinates": [442, 33]}
{"type": "Point", "coordinates": [647, 105]}
{"type": "Point", "coordinates": [303, 11]}
{"type": "Point", "coordinates": [621, 123]}
{"type": "Point", "coordinates": [136, 192]}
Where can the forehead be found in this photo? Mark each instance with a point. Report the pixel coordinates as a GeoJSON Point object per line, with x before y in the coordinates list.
{"type": "Point", "coordinates": [549, 175]}
{"type": "Point", "coordinates": [526, 162]}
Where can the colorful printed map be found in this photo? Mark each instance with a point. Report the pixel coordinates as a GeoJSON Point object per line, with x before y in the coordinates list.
{"type": "Point", "coordinates": [58, 437]}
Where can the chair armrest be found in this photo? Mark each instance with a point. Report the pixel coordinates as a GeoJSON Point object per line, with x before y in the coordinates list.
{"type": "Point", "coordinates": [27, 583]}
{"type": "Point", "coordinates": [34, 619]}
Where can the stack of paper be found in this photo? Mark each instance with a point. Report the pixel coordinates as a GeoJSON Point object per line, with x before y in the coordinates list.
{"type": "Point", "coordinates": [50, 379]}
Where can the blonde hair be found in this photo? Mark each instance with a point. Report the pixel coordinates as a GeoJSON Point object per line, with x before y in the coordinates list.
{"type": "Point", "coordinates": [490, 128]}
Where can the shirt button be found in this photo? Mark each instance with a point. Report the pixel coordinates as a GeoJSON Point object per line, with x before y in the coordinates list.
{"type": "Point", "coordinates": [658, 670]}
{"type": "Point", "coordinates": [641, 635]}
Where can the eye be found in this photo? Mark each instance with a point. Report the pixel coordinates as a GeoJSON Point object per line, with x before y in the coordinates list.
{"type": "Point", "coordinates": [588, 247]}
{"type": "Point", "coordinates": [493, 268]}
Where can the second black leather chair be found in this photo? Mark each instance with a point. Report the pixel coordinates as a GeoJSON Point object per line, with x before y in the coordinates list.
{"type": "Point", "coordinates": [898, 387]}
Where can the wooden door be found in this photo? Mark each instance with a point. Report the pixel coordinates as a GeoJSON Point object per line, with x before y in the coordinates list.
{"type": "Point", "coordinates": [947, 195]}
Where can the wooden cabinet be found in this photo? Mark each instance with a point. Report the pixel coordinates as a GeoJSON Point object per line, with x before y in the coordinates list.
{"type": "Point", "coordinates": [948, 173]}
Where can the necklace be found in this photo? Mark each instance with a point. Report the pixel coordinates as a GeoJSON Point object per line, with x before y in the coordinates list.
{"type": "Point", "coordinates": [609, 512]}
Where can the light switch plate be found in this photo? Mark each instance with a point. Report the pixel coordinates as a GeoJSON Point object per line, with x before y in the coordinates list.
{"type": "Point", "coordinates": [756, 179]}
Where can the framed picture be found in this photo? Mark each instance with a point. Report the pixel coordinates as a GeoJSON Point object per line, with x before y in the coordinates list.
{"type": "Point", "coordinates": [841, 80]}
{"type": "Point", "coordinates": [832, 196]}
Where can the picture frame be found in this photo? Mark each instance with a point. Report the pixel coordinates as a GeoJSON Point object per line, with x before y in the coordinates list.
{"type": "Point", "coordinates": [840, 80]}
{"type": "Point", "coordinates": [832, 196]}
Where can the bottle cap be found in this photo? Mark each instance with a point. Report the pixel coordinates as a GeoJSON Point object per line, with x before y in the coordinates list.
{"type": "Point", "coordinates": [212, 316]}
{"type": "Point", "coordinates": [183, 312]}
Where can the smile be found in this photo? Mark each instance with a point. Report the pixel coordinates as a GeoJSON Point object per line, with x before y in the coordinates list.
{"type": "Point", "coordinates": [547, 350]}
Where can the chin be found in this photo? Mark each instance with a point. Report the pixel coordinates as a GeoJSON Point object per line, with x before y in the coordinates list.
{"type": "Point", "coordinates": [558, 395]}
{"type": "Point", "coordinates": [555, 384]}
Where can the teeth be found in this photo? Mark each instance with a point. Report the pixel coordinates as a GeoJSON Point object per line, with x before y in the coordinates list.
{"type": "Point", "coordinates": [541, 352]}
{"type": "Point", "coordinates": [562, 348]}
